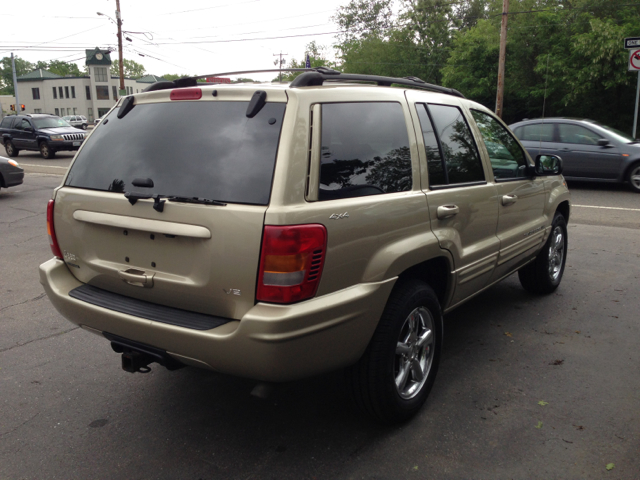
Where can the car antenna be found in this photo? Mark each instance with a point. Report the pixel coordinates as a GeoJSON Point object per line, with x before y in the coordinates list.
{"type": "Point", "coordinates": [544, 101]}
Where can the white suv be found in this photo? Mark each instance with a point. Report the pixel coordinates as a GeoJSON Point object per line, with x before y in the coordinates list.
{"type": "Point", "coordinates": [78, 121]}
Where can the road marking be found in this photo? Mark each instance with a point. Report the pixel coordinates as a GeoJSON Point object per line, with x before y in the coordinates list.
{"type": "Point", "coordinates": [609, 208]}
{"type": "Point", "coordinates": [41, 166]}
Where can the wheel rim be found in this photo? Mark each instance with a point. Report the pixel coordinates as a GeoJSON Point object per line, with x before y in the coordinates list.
{"type": "Point", "coordinates": [556, 253]}
{"type": "Point", "coordinates": [634, 178]}
{"type": "Point", "coordinates": [44, 150]}
{"type": "Point", "coordinates": [9, 148]}
{"type": "Point", "coordinates": [414, 353]}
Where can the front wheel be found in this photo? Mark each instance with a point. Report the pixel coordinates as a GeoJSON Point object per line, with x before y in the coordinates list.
{"type": "Point", "coordinates": [544, 274]}
{"type": "Point", "coordinates": [84, 126]}
{"type": "Point", "coordinates": [396, 373]}
{"type": "Point", "coordinates": [11, 149]}
{"type": "Point", "coordinates": [634, 178]}
{"type": "Point", "coordinates": [46, 151]}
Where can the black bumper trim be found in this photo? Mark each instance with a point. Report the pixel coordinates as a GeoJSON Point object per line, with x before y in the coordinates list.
{"type": "Point", "coordinates": [150, 311]}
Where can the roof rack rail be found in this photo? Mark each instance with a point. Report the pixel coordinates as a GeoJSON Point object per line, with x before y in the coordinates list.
{"type": "Point", "coordinates": [315, 77]}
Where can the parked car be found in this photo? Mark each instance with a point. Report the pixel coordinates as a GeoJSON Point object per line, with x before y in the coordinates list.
{"type": "Point", "coordinates": [41, 132]}
{"type": "Point", "coordinates": [78, 121]}
{"type": "Point", "coordinates": [10, 173]}
{"type": "Point", "coordinates": [278, 233]}
{"type": "Point", "coordinates": [589, 150]}
{"type": "Point", "coordinates": [97, 120]}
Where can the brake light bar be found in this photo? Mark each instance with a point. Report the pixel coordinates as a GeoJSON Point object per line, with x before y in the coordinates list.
{"type": "Point", "coordinates": [186, 94]}
{"type": "Point", "coordinates": [291, 262]}
{"type": "Point", "coordinates": [53, 241]}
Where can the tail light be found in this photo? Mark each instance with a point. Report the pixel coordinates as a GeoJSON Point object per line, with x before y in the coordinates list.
{"type": "Point", "coordinates": [291, 262]}
{"type": "Point", "coordinates": [53, 241]}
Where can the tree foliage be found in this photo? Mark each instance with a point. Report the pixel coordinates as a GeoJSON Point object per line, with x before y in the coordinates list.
{"type": "Point", "coordinates": [131, 69]}
{"type": "Point", "coordinates": [565, 55]}
{"type": "Point", "coordinates": [6, 73]}
{"type": "Point", "coordinates": [317, 58]}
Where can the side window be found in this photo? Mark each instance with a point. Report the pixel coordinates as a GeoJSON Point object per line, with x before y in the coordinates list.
{"type": "Point", "coordinates": [536, 132]}
{"type": "Point", "coordinates": [435, 164]}
{"type": "Point", "coordinates": [364, 150]}
{"type": "Point", "coordinates": [507, 158]}
{"type": "Point", "coordinates": [576, 134]}
{"type": "Point", "coordinates": [460, 158]}
{"type": "Point", "coordinates": [6, 122]}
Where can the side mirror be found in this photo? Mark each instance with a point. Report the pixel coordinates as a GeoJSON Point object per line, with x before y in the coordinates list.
{"type": "Point", "coordinates": [603, 142]}
{"type": "Point", "coordinates": [548, 165]}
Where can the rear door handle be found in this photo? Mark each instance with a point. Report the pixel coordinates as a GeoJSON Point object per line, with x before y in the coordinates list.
{"type": "Point", "coordinates": [447, 211]}
{"type": "Point", "coordinates": [137, 278]}
{"type": "Point", "coordinates": [509, 199]}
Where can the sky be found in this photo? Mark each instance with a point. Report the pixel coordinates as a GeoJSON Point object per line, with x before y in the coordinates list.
{"type": "Point", "coordinates": [193, 38]}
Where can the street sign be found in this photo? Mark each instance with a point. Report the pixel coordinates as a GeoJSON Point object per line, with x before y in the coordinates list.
{"type": "Point", "coordinates": [632, 42]}
{"type": "Point", "coordinates": [634, 60]}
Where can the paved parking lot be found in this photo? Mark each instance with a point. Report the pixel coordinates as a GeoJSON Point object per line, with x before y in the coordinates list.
{"type": "Point", "coordinates": [529, 387]}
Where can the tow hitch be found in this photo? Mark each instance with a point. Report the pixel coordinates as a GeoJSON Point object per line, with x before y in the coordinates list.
{"type": "Point", "coordinates": [136, 356]}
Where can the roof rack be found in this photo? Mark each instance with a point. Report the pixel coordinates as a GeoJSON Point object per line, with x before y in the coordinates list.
{"type": "Point", "coordinates": [315, 77]}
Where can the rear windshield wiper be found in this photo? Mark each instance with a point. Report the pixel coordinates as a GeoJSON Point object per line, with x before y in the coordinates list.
{"type": "Point", "coordinates": [202, 201]}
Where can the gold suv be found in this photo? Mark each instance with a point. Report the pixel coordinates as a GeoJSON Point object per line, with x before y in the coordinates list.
{"type": "Point", "coordinates": [277, 232]}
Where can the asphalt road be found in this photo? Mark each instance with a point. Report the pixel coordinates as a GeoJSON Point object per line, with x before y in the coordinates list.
{"type": "Point", "coordinates": [70, 412]}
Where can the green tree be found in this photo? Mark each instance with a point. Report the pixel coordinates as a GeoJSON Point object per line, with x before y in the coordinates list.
{"type": "Point", "coordinates": [317, 58]}
{"type": "Point", "coordinates": [60, 68]}
{"type": "Point", "coordinates": [131, 69]}
{"type": "Point", "coordinates": [6, 73]}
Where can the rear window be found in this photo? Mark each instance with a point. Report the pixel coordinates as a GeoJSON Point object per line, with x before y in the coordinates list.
{"type": "Point", "coordinates": [189, 149]}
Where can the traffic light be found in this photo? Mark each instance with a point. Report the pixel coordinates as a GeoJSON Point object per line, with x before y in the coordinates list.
{"type": "Point", "coordinates": [22, 107]}
{"type": "Point", "coordinates": [13, 108]}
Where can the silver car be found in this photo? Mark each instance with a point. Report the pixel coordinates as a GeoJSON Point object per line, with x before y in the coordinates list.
{"type": "Point", "coordinates": [78, 121]}
{"type": "Point", "coordinates": [589, 151]}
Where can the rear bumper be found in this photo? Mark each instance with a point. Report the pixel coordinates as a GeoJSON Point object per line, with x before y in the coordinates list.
{"type": "Point", "coordinates": [270, 343]}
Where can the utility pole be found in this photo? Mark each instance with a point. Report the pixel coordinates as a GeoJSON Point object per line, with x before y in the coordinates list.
{"type": "Point", "coordinates": [120, 60]}
{"type": "Point", "coordinates": [503, 54]}
{"type": "Point", "coordinates": [15, 83]}
{"type": "Point", "coordinates": [279, 62]}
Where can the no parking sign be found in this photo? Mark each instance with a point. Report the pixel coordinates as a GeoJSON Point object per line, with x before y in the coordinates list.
{"type": "Point", "coordinates": [634, 60]}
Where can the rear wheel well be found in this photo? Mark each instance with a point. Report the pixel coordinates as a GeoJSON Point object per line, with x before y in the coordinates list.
{"type": "Point", "coordinates": [564, 209]}
{"type": "Point", "coordinates": [434, 272]}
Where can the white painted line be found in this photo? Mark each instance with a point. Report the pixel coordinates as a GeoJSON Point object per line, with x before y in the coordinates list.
{"type": "Point", "coordinates": [41, 166]}
{"type": "Point", "coordinates": [609, 208]}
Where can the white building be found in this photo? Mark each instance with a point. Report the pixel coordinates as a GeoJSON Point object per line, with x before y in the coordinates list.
{"type": "Point", "coordinates": [92, 96]}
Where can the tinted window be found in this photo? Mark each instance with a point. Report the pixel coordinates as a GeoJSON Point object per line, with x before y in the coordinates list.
{"type": "Point", "coordinates": [435, 164]}
{"type": "Point", "coordinates": [458, 148]}
{"type": "Point", "coordinates": [507, 158]}
{"type": "Point", "coordinates": [6, 122]}
{"type": "Point", "coordinates": [365, 150]}
{"type": "Point", "coordinates": [576, 134]}
{"type": "Point", "coordinates": [537, 132]}
{"type": "Point", "coordinates": [189, 149]}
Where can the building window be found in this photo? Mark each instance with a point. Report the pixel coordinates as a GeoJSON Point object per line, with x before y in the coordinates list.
{"type": "Point", "coordinates": [73, 92]}
{"type": "Point", "coordinates": [68, 111]}
{"type": "Point", "coordinates": [55, 93]}
{"type": "Point", "coordinates": [101, 74]}
{"type": "Point", "coordinates": [66, 91]}
{"type": "Point", "coordinates": [115, 92]}
{"type": "Point", "coordinates": [75, 111]}
{"type": "Point", "coordinates": [37, 110]}
{"type": "Point", "coordinates": [60, 92]}
{"type": "Point", "coordinates": [102, 93]}
{"type": "Point", "coordinates": [57, 109]}
{"type": "Point", "coordinates": [88, 92]}
{"type": "Point", "coordinates": [90, 113]}
{"type": "Point", "coordinates": [36, 93]}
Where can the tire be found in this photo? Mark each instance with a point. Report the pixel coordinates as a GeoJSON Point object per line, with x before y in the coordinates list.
{"type": "Point", "coordinates": [633, 177]}
{"type": "Point", "coordinates": [46, 151]}
{"type": "Point", "coordinates": [396, 373]}
{"type": "Point", "coordinates": [11, 149]}
{"type": "Point", "coordinates": [84, 126]}
{"type": "Point", "coordinates": [544, 274]}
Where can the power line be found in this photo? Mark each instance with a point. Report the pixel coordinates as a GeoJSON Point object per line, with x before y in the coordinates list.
{"type": "Point", "coordinates": [205, 8]}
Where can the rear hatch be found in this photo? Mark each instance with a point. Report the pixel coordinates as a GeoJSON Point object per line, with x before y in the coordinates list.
{"type": "Point", "coordinates": [210, 164]}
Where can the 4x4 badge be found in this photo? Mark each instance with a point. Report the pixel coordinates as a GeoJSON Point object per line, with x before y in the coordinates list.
{"type": "Point", "coordinates": [338, 216]}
